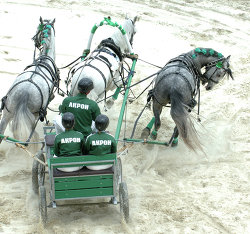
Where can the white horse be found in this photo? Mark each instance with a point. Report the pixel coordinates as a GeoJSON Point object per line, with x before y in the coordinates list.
{"type": "Point", "coordinates": [28, 97]}
{"type": "Point", "coordinates": [104, 64]}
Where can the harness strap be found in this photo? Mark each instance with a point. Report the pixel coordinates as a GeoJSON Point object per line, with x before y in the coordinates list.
{"type": "Point", "coordinates": [106, 61]}
{"type": "Point", "coordinates": [216, 82]}
{"type": "Point", "coordinates": [42, 75]}
{"type": "Point", "coordinates": [184, 78]}
{"type": "Point", "coordinates": [103, 77]}
{"type": "Point", "coordinates": [213, 63]}
{"type": "Point", "coordinates": [42, 65]}
{"type": "Point", "coordinates": [54, 72]}
{"type": "Point", "coordinates": [28, 80]}
{"type": "Point", "coordinates": [52, 61]}
{"type": "Point", "coordinates": [188, 65]}
{"type": "Point", "coordinates": [38, 90]}
{"type": "Point", "coordinates": [111, 44]}
{"type": "Point", "coordinates": [102, 59]}
{"type": "Point", "coordinates": [105, 50]}
{"type": "Point", "coordinates": [55, 77]}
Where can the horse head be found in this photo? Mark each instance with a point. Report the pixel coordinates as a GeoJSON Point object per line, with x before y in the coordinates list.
{"type": "Point", "coordinates": [216, 70]}
{"type": "Point", "coordinates": [42, 37]}
{"type": "Point", "coordinates": [132, 31]}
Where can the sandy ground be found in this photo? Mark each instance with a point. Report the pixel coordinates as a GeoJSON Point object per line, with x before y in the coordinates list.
{"type": "Point", "coordinates": [171, 190]}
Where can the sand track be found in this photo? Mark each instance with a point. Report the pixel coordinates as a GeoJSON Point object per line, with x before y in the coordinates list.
{"type": "Point", "coordinates": [171, 190]}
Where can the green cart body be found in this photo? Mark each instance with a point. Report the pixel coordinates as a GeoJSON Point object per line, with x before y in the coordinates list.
{"type": "Point", "coordinates": [81, 184]}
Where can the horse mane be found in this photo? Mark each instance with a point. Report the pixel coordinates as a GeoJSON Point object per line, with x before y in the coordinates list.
{"type": "Point", "coordinates": [206, 52]}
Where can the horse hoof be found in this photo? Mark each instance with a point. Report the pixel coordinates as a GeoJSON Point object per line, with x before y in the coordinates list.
{"type": "Point", "coordinates": [130, 100]}
{"type": "Point", "coordinates": [153, 135]}
{"type": "Point", "coordinates": [105, 108]}
{"type": "Point", "coordinates": [110, 103]}
{"type": "Point", "coordinates": [174, 143]}
{"type": "Point", "coordinates": [145, 133]}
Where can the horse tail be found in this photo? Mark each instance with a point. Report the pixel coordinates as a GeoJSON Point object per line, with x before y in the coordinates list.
{"type": "Point", "coordinates": [23, 120]}
{"type": "Point", "coordinates": [183, 121]}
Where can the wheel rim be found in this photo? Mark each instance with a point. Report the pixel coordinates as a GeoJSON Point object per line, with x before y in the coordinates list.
{"type": "Point", "coordinates": [43, 204]}
{"type": "Point", "coordinates": [38, 172]}
{"type": "Point", "coordinates": [41, 174]}
{"type": "Point", "coordinates": [124, 202]}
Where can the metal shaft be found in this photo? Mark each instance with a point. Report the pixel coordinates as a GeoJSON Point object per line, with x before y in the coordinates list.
{"type": "Point", "coordinates": [146, 141]}
{"type": "Point", "coordinates": [119, 124]}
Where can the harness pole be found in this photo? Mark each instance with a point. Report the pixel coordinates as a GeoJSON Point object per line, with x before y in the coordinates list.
{"type": "Point", "coordinates": [2, 137]}
{"type": "Point", "coordinates": [119, 124]}
{"type": "Point", "coordinates": [146, 141]}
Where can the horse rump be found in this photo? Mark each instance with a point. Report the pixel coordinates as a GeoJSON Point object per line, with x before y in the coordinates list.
{"type": "Point", "coordinates": [183, 121]}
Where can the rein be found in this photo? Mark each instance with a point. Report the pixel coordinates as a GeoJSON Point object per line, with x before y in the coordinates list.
{"type": "Point", "coordinates": [81, 57]}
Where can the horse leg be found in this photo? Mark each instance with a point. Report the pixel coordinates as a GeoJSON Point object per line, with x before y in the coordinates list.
{"type": "Point", "coordinates": [157, 109]}
{"type": "Point", "coordinates": [114, 97]}
{"type": "Point", "coordinates": [174, 138]}
{"type": "Point", "coordinates": [110, 103]}
{"type": "Point", "coordinates": [4, 122]}
{"type": "Point", "coordinates": [146, 131]}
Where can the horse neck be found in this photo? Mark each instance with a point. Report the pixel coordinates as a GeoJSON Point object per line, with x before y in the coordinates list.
{"type": "Point", "coordinates": [49, 49]}
{"type": "Point", "coordinates": [119, 39]}
{"type": "Point", "coordinates": [201, 60]}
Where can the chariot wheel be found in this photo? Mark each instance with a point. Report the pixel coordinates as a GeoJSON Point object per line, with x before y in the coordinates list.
{"type": "Point", "coordinates": [118, 171]}
{"type": "Point", "coordinates": [43, 204]}
{"type": "Point", "coordinates": [124, 203]}
{"type": "Point", "coordinates": [38, 172]}
{"type": "Point", "coordinates": [118, 175]}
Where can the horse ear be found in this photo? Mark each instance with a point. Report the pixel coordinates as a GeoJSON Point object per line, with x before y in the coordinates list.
{"type": "Point", "coordinates": [136, 18]}
{"type": "Point", "coordinates": [54, 20]}
{"type": "Point", "coordinates": [229, 71]}
{"type": "Point", "coordinates": [41, 20]}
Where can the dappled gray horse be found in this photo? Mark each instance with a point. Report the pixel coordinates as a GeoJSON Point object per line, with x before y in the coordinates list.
{"type": "Point", "coordinates": [27, 99]}
{"type": "Point", "coordinates": [103, 66]}
{"type": "Point", "coordinates": [178, 83]}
